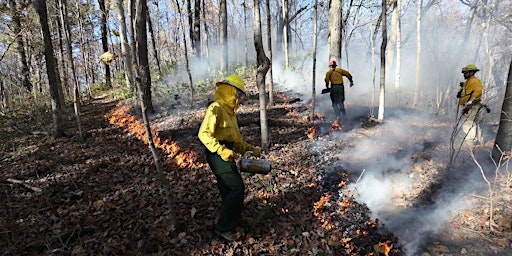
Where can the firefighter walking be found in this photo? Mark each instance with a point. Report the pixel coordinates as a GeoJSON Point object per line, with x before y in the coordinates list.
{"type": "Point", "coordinates": [334, 79]}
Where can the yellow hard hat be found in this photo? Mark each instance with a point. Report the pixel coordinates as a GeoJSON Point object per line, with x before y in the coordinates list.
{"type": "Point", "coordinates": [233, 80]}
{"type": "Point", "coordinates": [470, 67]}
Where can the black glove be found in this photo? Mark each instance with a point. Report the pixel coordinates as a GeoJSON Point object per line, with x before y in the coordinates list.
{"type": "Point", "coordinates": [465, 110]}
{"type": "Point", "coordinates": [459, 93]}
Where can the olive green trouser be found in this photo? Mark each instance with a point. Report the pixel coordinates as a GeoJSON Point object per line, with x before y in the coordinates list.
{"type": "Point", "coordinates": [231, 188]}
{"type": "Point", "coordinates": [338, 99]}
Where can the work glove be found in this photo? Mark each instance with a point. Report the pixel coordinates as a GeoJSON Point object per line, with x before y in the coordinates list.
{"type": "Point", "coordinates": [255, 152]}
{"type": "Point", "coordinates": [227, 154]}
{"type": "Point", "coordinates": [351, 84]}
{"type": "Point", "coordinates": [465, 110]}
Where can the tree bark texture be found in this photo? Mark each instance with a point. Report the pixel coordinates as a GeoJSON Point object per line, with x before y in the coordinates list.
{"type": "Point", "coordinates": [223, 15]}
{"type": "Point", "coordinates": [382, 93]}
{"type": "Point", "coordinates": [144, 73]}
{"type": "Point", "coordinates": [104, 41]}
{"type": "Point", "coordinates": [335, 26]}
{"type": "Point", "coordinates": [269, 42]}
{"type": "Point", "coordinates": [263, 66]}
{"type": "Point", "coordinates": [53, 76]}
{"type": "Point", "coordinates": [125, 47]}
{"type": "Point", "coordinates": [196, 34]}
{"type": "Point", "coordinates": [503, 142]}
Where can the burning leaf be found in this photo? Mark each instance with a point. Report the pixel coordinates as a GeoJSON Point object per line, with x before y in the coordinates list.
{"type": "Point", "coordinates": [311, 132]}
{"type": "Point", "coordinates": [383, 247]}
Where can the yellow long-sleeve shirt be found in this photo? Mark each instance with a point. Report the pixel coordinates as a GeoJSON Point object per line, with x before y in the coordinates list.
{"type": "Point", "coordinates": [471, 90]}
{"type": "Point", "coordinates": [220, 123]}
{"type": "Point", "coordinates": [335, 76]}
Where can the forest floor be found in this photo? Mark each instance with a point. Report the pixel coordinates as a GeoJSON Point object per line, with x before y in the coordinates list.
{"type": "Point", "coordinates": [102, 195]}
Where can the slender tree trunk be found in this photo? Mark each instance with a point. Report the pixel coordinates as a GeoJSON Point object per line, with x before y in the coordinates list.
{"type": "Point", "coordinates": [104, 41]}
{"type": "Point", "coordinates": [131, 29]}
{"type": "Point", "coordinates": [271, 78]}
{"type": "Point", "coordinates": [83, 50]}
{"type": "Point", "coordinates": [153, 42]}
{"type": "Point", "coordinates": [244, 5]}
{"type": "Point", "coordinates": [20, 50]}
{"type": "Point", "coordinates": [53, 77]}
{"type": "Point", "coordinates": [382, 94]}
{"type": "Point", "coordinates": [223, 36]}
{"type": "Point", "coordinates": [142, 54]}
{"type": "Point", "coordinates": [61, 64]}
{"type": "Point", "coordinates": [398, 52]}
{"type": "Point", "coordinates": [286, 28]}
{"type": "Point", "coordinates": [196, 35]}
{"type": "Point", "coordinates": [3, 95]}
{"type": "Point", "coordinates": [206, 40]}
{"type": "Point", "coordinates": [503, 142]}
{"type": "Point", "coordinates": [313, 82]}
{"type": "Point", "coordinates": [67, 39]}
{"type": "Point", "coordinates": [187, 64]}
{"type": "Point", "coordinates": [263, 66]}
{"type": "Point", "coordinates": [125, 47]}
{"type": "Point", "coordinates": [418, 55]}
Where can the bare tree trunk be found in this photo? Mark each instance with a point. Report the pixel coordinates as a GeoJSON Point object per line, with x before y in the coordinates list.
{"type": "Point", "coordinates": [263, 66]}
{"type": "Point", "coordinates": [104, 41]}
{"type": "Point", "coordinates": [244, 5]}
{"type": "Point", "coordinates": [418, 55]}
{"type": "Point", "coordinates": [153, 42]}
{"type": "Point", "coordinates": [131, 29]}
{"type": "Point", "coordinates": [142, 54]}
{"type": "Point", "coordinates": [503, 142]}
{"type": "Point", "coordinates": [398, 67]}
{"type": "Point", "coordinates": [271, 78]}
{"type": "Point", "coordinates": [67, 39]}
{"type": "Point", "coordinates": [313, 82]}
{"type": "Point", "coordinates": [223, 36]}
{"type": "Point", "coordinates": [335, 25]}
{"type": "Point", "coordinates": [206, 40]}
{"type": "Point", "coordinates": [196, 35]}
{"type": "Point", "coordinates": [53, 77]}
{"type": "Point", "coordinates": [3, 96]}
{"type": "Point", "coordinates": [61, 64]}
{"type": "Point", "coordinates": [125, 47]}
{"type": "Point", "coordinates": [83, 50]}
{"type": "Point", "coordinates": [286, 28]}
{"type": "Point", "coordinates": [187, 64]}
{"type": "Point", "coordinates": [20, 50]}
{"type": "Point", "coordinates": [382, 93]}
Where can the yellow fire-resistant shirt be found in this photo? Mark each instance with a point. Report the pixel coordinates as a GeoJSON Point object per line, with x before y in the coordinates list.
{"type": "Point", "coordinates": [335, 76]}
{"type": "Point", "coordinates": [471, 90]}
{"type": "Point", "coordinates": [220, 123]}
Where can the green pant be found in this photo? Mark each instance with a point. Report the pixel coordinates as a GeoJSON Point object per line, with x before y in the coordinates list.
{"type": "Point", "coordinates": [338, 99]}
{"type": "Point", "coordinates": [232, 191]}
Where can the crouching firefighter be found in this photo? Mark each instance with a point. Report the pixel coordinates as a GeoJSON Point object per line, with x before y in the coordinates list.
{"type": "Point", "coordinates": [470, 95]}
{"type": "Point", "coordinates": [223, 142]}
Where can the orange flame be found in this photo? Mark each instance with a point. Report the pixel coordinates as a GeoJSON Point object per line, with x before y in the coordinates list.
{"type": "Point", "coordinates": [386, 247]}
{"type": "Point", "coordinates": [335, 125]}
{"type": "Point", "coordinates": [311, 132]}
{"type": "Point", "coordinates": [120, 117]}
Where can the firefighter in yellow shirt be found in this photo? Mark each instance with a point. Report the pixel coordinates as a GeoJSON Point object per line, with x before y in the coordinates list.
{"type": "Point", "coordinates": [470, 96]}
{"type": "Point", "coordinates": [221, 136]}
{"type": "Point", "coordinates": [334, 77]}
